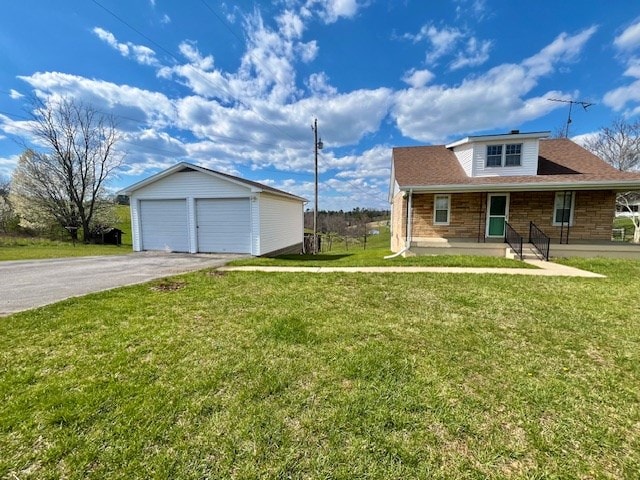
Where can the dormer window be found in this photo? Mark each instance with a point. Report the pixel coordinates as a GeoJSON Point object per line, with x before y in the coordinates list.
{"type": "Point", "coordinates": [506, 155]}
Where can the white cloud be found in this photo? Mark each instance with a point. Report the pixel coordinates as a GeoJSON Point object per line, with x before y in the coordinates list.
{"type": "Point", "coordinates": [495, 99]}
{"type": "Point", "coordinates": [626, 98]}
{"type": "Point", "coordinates": [475, 53]}
{"type": "Point", "coordinates": [629, 39]}
{"type": "Point", "coordinates": [15, 95]}
{"type": "Point", "coordinates": [447, 41]}
{"type": "Point", "coordinates": [418, 78]}
{"type": "Point", "coordinates": [330, 11]}
{"type": "Point", "coordinates": [132, 105]}
{"type": "Point", "coordinates": [565, 48]}
{"type": "Point", "coordinates": [166, 19]}
{"type": "Point", "coordinates": [318, 84]}
{"type": "Point", "coordinates": [141, 54]}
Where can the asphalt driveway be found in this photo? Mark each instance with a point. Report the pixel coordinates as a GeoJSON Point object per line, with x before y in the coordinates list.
{"type": "Point", "coordinates": [33, 283]}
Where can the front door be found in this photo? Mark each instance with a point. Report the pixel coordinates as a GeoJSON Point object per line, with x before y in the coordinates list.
{"type": "Point", "coordinates": [498, 212]}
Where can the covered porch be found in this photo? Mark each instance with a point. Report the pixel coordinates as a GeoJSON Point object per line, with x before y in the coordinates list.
{"type": "Point", "coordinates": [573, 222]}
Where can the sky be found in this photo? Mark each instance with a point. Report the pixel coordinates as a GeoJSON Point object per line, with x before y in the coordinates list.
{"type": "Point", "coordinates": [236, 86]}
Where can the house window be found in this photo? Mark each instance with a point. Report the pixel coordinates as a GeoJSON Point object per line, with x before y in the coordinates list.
{"type": "Point", "coordinates": [512, 157]}
{"type": "Point", "coordinates": [563, 208]}
{"type": "Point", "coordinates": [508, 155]}
{"type": "Point", "coordinates": [441, 209]}
{"type": "Point", "coordinates": [494, 155]}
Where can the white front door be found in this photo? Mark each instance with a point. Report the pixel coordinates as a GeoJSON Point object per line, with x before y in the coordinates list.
{"type": "Point", "coordinates": [497, 214]}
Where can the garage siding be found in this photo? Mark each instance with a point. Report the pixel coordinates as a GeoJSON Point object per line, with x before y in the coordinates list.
{"type": "Point", "coordinates": [249, 221]}
{"type": "Point", "coordinates": [281, 223]}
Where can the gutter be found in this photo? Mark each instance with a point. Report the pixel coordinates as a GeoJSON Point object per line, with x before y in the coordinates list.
{"type": "Point", "coordinates": [514, 187]}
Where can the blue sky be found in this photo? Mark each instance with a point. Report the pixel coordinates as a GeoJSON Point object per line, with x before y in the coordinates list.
{"type": "Point", "coordinates": [235, 86]}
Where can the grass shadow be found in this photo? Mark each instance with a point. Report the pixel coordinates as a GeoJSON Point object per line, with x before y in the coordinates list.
{"type": "Point", "coordinates": [313, 258]}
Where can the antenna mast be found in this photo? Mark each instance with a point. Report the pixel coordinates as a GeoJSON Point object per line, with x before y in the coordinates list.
{"type": "Point", "coordinates": [584, 104]}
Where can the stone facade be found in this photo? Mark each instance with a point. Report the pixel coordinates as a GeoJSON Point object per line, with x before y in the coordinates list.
{"type": "Point", "coordinates": [592, 220]}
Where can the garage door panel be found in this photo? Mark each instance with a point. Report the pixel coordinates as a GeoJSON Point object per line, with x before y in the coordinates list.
{"type": "Point", "coordinates": [164, 225]}
{"type": "Point", "coordinates": [224, 225]}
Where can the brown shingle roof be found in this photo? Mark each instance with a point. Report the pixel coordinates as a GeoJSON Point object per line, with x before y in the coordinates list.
{"type": "Point", "coordinates": [560, 161]}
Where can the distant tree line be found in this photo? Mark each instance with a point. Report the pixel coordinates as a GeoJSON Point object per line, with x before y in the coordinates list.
{"type": "Point", "coordinates": [351, 227]}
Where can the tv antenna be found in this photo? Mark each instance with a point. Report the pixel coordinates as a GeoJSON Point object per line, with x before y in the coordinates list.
{"type": "Point", "coordinates": [585, 105]}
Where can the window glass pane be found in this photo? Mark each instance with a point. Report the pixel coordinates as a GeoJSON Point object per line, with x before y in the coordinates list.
{"type": "Point", "coordinates": [562, 208]}
{"type": "Point", "coordinates": [514, 148]}
{"type": "Point", "coordinates": [441, 209]}
{"type": "Point", "coordinates": [494, 155]}
{"type": "Point", "coordinates": [442, 203]}
{"type": "Point", "coordinates": [498, 205]}
{"type": "Point", "coordinates": [512, 158]}
{"type": "Point", "coordinates": [562, 215]}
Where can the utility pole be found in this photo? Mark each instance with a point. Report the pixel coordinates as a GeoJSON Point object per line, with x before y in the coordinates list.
{"type": "Point", "coordinates": [317, 145]}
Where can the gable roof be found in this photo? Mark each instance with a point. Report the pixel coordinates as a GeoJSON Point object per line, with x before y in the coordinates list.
{"type": "Point", "coordinates": [182, 166]}
{"type": "Point", "coordinates": [561, 164]}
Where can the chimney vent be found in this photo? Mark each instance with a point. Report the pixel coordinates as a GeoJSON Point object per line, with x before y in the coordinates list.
{"type": "Point", "coordinates": [515, 132]}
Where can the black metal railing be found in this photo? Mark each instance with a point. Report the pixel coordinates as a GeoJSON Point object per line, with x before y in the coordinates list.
{"type": "Point", "coordinates": [514, 239]}
{"type": "Point", "coordinates": [539, 240]}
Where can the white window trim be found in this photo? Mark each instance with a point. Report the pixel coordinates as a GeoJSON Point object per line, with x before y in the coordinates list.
{"type": "Point", "coordinates": [435, 198]}
{"type": "Point", "coordinates": [571, 209]}
{"type": "Point", "coordinates": [503, 161]}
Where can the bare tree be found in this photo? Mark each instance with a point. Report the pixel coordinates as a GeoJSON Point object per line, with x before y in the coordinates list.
{"type": "Point", "coordinates": [627, 201]}
{"type": "Point", "coordinates": [618, 145]}
{"type": "Point", "coordinates": [6, 208]}
{"type": "Point", "coordinates": [67, 179]}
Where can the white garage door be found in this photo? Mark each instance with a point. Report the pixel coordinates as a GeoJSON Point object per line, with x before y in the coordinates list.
{"type": "Point", "coordinates": [224, 225]}
{"type": "Point", "coordinates": [164, 225]}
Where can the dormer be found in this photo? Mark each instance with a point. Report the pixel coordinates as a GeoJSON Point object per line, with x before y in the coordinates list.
{"type": "Point", "coordinates": [503, 155]}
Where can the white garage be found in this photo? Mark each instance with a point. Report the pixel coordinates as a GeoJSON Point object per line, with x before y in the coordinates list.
{"type": "Point", "coordinates": [188, 208]}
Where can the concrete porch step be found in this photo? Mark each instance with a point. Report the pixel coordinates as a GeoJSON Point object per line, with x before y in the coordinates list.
{"type": "Point", "coordinates": [528, 253]}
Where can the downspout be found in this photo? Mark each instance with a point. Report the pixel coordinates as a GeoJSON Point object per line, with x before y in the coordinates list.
{"type": "Point", "coordinates": [407, 242]}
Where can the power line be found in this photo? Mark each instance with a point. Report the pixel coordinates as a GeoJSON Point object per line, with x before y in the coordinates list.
{"type": "Point", "coordinates": [197, 72]}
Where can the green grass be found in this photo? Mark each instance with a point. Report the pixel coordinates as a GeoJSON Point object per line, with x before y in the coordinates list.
{"type": "Point", "coordinates": [627, 224]}
{"type": "Point", "coordinates": [25, 248]}
{"type": "Point", "coordinates": [373, 256]}
{"type": "Point", "coordinates": [29, 248]}
{"type": "Point", "coordinates": [254, 375]}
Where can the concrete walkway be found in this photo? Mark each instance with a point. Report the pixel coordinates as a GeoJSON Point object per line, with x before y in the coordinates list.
{"type": "Point", "coordinates": [548, 269]}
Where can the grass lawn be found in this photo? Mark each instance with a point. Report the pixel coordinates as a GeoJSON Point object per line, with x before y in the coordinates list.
{"type": "Point", "coordinates": [373, 256]}
{"type": "Point", "coordinates": [28, 248]}
{"type": "Point", "coordinates": [254, 375]}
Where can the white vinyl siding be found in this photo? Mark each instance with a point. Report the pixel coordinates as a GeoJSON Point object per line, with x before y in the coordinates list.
{"type": "Point", "coordinates": [281, 223]}
{"type": "Point", "coordinates": [223, 225]}
{"type": "Point", "coordinates": [528, 160]}
{"type": "Point", "coordinates": [464, 154]}
{"type": "Point", "coordinates": [229, 215]}
{"type": "Point", "coordinates": [441, 209]}
{"type": "Point", "coordinates": [164, 225]}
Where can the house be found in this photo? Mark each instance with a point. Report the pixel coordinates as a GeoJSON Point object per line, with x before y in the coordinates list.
{"type": "Point", "coordinates": [467, 195]}
{"type": "Point", "coordinates": [188, 208]}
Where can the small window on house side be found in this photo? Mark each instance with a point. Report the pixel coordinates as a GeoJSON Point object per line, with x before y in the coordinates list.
{"type": "Point", "coordinates": [563, 209]}
{"type": "Point", "coordinates": [441, 209]}
{"type": "Point", "coordinates": [494, 155]}
{"type": "Point", "coordinates": [513, 155]}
